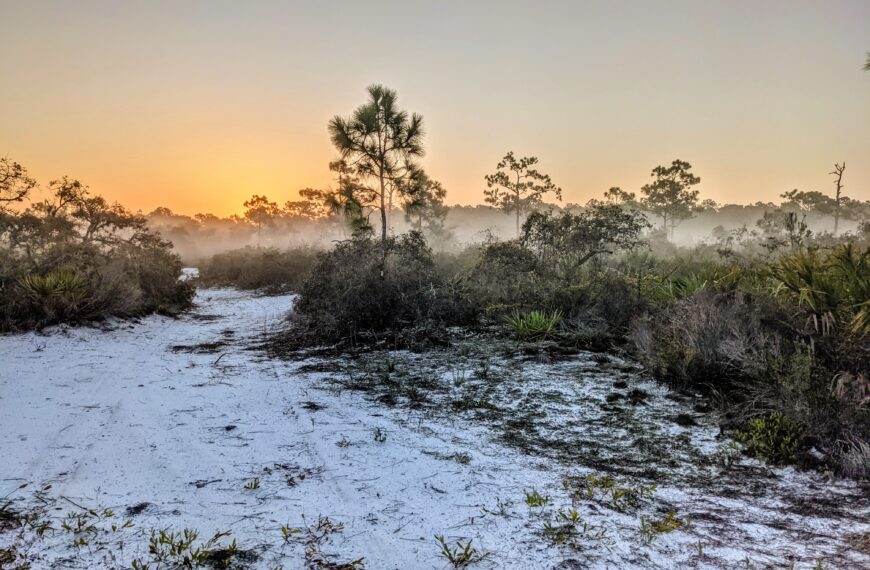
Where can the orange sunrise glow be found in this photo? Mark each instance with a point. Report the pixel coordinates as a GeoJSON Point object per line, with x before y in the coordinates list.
{"type": "Point", "coordinates": [196, 106]}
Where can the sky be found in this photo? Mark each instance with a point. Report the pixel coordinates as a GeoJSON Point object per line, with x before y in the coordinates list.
{"type": "Point", "coordinates": [197, 105]}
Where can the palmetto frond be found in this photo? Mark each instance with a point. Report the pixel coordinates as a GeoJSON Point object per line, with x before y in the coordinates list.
{"type": "Point", "coordinates": [835, 286]}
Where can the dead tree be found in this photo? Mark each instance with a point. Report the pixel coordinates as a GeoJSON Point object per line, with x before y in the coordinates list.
{"type": "Point", "coordinates": [838, 172]}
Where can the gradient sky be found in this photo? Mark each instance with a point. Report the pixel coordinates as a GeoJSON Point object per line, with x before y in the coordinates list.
{"type": "Point", "coordinates": [197, 105]}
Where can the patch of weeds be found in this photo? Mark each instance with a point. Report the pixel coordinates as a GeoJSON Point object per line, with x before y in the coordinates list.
{"type": "Point", "coordinates": [462, 458]}
{"type": "Point", "coordinates": [774, 437]}
{"type": "Point", "coordinates": [483, 369]}
{"type": "Point", "coordinates": [19, 552]}
{"type": "Point", "coordinates": [379, 435]}
{"type": "Point", "coordinates": [606, 490]}
{"type": "Point", "coordinates": [312, 538]}
{"type": "Point", "coordinates": [253, 484]}
{"type": "Point", "coordinates": [389, 364]}
{"type": "Point", "coordinates": [320, 367]}
{"type": "Point", "coordinates": [388, 399]}
{"type": "Point", "coordinates": [652, 528]}
{"type": "Point", "coordinates": [461, 556]}
{"type": "Point", "coordinates": [83, 526]}
{"type": "Point", "coordinates": [570, 529]}
{"type": "Point", "coordinates": [470, 403]}
{"type": "Point", "coordinates": [7, 557]}
{"type": "Point", "coordinates": [726, 455]}
{"type": "Point", "coordinates": [11, 518]}
{"type": "Point", "coordinates": [416, 397]}
{"type": "Point", "coordinates": [613, 397]}
{"type": "Point", "coordinates": [170, 549]}
{"type": "Point", "coordinates": [458, 456]}
{"type": "Point", "coordinates": [534, 326]}
{"type": "Point", "coordinates": [860, 541]}
{"type": "Point", "coordinates": [294, 474]}
{"type": "Point", "coordinates": [501, 508]}
{"type": "Point", "coordinates": [535, 500]}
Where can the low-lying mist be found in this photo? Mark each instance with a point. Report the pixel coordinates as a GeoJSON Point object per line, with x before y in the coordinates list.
{"type": "Point", "coordinates": [197, 238]}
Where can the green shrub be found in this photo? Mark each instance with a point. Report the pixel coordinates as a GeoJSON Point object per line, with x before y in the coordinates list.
{"type": "Point", "coordinates": [366, 286]}
{"type": "Point", "coordinates": [535, 325]}
{"type": "Point", "coordinates": [58, 295]}
{"type": "Point", "coordinates": [833, 287]}
{"type": "Point", "coordinates": [716, 278]}
{"type": "Point", "coordinates": [651, 528]}
{"type": "Point", "coordinates": [504, 276]}
{"type": "Point", "coordinates": [774, 437]}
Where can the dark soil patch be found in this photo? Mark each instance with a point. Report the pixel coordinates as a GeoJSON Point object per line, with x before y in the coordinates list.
{"type": "Point", "coordinates": [137, 509]}
{"type": "Point", "coordinates": [638, 396]}
{"type": "Point", "coordinates": [684, 420]}
{"type": "Point", "coordinates": [202, 348]}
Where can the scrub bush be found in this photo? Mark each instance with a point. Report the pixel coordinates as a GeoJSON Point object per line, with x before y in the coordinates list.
{"type": "Point", "coordinates": [259, 268]}
{"type": "Point", "coordinates": [366, 286]}
{"type": "Point", "coordinates": [773, 437]}
{"type": "Point", "coordinates": [534, 326]}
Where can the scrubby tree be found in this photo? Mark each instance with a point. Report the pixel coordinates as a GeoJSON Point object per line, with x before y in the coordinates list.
{"type": "Point", "coordinates": [568, 241]}
{"type": "Point", "coordinates": [102, 221]}
{"type": "Point", "coordinates": [783, 228]}
{"type": "Point", "coordinates": [867, 65]}
{"type": "Point", "coordinates": [708, 205]}
{"type": "Point", "coordinates": [15, 184]}
{"type": "Point", "coordinates": [380, 143]}
{"type": "Point", "coordinates": [851, 209]}
{"type": "Point", "coordinates": [808, 201]}
{"type": "Point", "coordinates": [350, 200]}
{"type": "Point", "coordinates": [424, 204]}
{"type": "Point", "coordinates": [517, 187]}
{"type": "Point", "coordinates": [615, 196]}
{"type": "Point", "coordinates": [65, 194]}
{"type": "Point", "coordinates": [670, 195]}
{"type": "Point", "coordinates": [260, 211]}
{"type": "Point", "coordinates": [618, 196]}
{"type": "Point", "coordinates": [309, 208]}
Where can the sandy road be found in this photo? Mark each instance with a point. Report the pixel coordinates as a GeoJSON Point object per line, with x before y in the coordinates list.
{"type": "Point", "coordinates": [115, 417]}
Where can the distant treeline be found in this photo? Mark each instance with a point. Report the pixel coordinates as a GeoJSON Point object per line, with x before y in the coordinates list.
{"type": "Point", "coordinates": [269, 225]}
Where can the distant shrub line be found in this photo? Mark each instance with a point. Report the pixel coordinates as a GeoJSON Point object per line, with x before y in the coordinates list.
{"type": "Point", "coordinates": [269, 269]}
